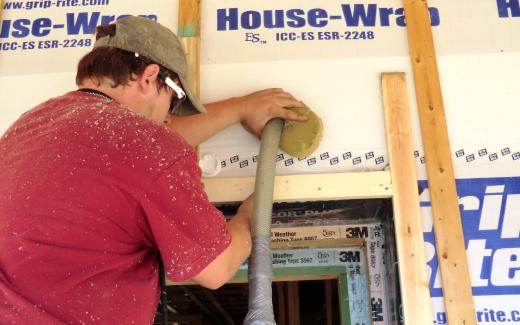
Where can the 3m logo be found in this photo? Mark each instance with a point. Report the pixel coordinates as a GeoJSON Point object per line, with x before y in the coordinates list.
{"type": "Point", "coordinates": [377, 310]}
{"type": "Point", "coordinates": [349, 256]}
{"type": "Point", "coordinates": [356, 232]}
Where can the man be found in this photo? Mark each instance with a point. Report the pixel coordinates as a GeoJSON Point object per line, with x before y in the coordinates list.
{"type": "Point", "coordinates": [98, 182]}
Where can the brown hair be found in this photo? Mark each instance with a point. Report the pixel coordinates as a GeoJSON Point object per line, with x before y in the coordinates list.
{"type": "Point", "coordinates": [117, 65]}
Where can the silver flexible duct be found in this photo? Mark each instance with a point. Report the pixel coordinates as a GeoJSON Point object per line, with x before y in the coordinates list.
{"type": "Point", "coordinates": [260, 272]}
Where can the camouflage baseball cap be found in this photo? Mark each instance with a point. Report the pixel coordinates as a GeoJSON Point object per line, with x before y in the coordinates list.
{"type": "Point", "coordinates": [154, 41]}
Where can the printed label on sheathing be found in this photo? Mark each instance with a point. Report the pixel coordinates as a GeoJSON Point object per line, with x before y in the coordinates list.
{"type": "Point", "coordinates": [490, 212]}
{"type": "Point", "coordinates": [371, 233]}
{"type": "Point", "coordinates": [53, 35]}
{"type": "Point", "coordinates": [235, 164]}
{"type": "Point", "coordinates": [374, 237]}
{"type": "Point", "coordinates": [263, 30]}
{"type": "Point", "coordinates": [503, 309]}
{"type": "Point", "coordinates": [470, 157]}
{"type": "Point", "coordinates": [301, 29]}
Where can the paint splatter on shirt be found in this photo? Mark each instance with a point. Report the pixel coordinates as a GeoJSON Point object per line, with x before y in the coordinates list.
{"type": "Point", "coordinates": [90, 192]}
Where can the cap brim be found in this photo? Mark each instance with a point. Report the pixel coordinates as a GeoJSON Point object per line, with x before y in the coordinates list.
{"type": "Point", "coordinates": [192, 105]}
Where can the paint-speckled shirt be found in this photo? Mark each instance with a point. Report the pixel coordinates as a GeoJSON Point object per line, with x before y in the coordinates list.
{"type": "Point", "coordinates": [89, 193]}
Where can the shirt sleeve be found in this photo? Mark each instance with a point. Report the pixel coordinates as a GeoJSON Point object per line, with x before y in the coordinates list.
{"type": "Point", "coordinates": [188, 230]}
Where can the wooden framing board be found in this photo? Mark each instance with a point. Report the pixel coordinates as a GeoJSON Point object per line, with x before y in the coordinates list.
{"type": "Point", "coordinates": [328, 300]}
{"type": "Point", "coordinates": [282, 315]}
{"type": "Point", "coordinates": [308, 187]}
{"type": "Point", "coordinates": [1, 9]}
{"type": "Point", "coordinates": [189, 35]}
{"type": "Point", "coordinates": [407, 216]}
{"type": "Point", "coordinates": [458, 299]}
{"type": "Point", "coordinates": [189, 18]}
{"type": "Point", "coordinates": [293, 302]}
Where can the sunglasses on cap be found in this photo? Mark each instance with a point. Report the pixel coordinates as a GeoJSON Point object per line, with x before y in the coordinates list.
{"type": "Point", "coordinates": [179, 96]}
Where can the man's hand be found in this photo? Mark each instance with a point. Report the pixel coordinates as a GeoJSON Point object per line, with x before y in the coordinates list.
{"type": "Point", "coordinates": [256, 109]}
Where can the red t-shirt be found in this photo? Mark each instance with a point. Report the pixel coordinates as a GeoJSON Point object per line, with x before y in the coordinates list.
{"type": "Point", "coordinates": [89, 193]}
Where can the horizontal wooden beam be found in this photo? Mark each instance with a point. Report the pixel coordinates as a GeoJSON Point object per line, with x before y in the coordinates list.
{"type": "Point", "coordinates": [307, 187]}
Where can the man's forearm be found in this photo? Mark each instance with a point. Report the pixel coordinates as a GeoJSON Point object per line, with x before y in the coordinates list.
{"type": "Point", "coordinates": [224, 267]}
{"type": "Point", "coordinates": [240, 232]}
{"type": "Point", "coordinates": [200, 127]}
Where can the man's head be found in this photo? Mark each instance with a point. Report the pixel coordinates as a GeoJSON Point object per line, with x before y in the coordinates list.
{"type": "Point", "coordinates": [123, 51]}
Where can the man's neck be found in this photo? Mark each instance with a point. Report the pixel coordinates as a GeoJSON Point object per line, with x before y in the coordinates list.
{"type": "Point", "coordinates": [113, 92]}
{"type": "Point", "coordinates": [128, 95]}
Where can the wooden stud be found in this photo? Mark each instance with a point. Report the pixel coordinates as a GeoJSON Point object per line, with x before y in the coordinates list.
{"type": "Point", "coordinates": [1, 9]}
{"type": "Point", "coordinates": [458, 299]}
{"type": "Point", "coordinates": [192, 48]}
{"type": "Point", "coordinates": [328, 300]}
{"type": "Point", "coordinates": [293, 302]}
{"type": "Point", "coordinates": [189, 35]}
{"type": "Point", "coordinates": [282, 314]}
{"type": "Point", "coordinates": [308, 187]}
{"type": "Point", "coordinates": [189, 18]}
{"type": "Point", "coordinates": [407, 215]}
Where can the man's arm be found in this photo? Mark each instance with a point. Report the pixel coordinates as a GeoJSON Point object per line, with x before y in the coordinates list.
{"type": "Point", "coordinates": [253, 111]}
{"type": "Point", "coordinates": [224, 267]}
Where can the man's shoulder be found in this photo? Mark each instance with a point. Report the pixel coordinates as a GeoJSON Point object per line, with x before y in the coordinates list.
{"type": "Point", "coordinates": [127, 135]}
{"type": "Point", "coordinates": [80, 122]}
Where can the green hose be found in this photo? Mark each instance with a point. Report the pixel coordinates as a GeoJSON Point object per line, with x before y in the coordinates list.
{"type": "Point", "coordinates": [260, 272]}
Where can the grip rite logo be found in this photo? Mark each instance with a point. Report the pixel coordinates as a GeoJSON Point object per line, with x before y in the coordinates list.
{"type": "Point", "coordinates": [490, 212]}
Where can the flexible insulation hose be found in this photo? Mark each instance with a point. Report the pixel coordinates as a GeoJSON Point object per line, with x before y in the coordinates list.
{"type": "Point", "coordinates": [260, 272]}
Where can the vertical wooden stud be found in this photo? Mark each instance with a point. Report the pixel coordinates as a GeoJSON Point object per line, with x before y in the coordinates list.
{"type": "Point", "coordinates": [189, 34]}
{"type": "Point", "coordinates": [293, 302]}
{"type": "Point", "coordinates": [407, 217]}
{"type": "Point", "coordinates": [282, 314]}
{"type": "Point", "coordinates": [328, 300]}
{"type": "Point", "coordinates": [1, 9]}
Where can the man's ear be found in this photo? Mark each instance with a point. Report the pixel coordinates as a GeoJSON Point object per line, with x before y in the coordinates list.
{"type": "Point", "coordinates": [148, 79]}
